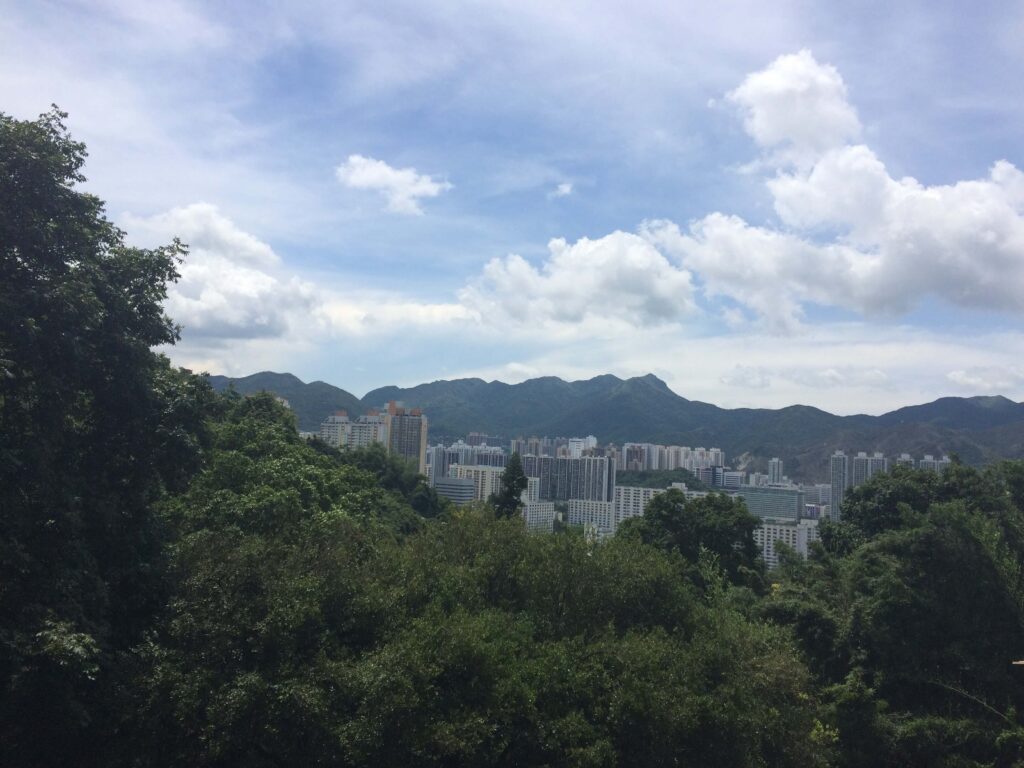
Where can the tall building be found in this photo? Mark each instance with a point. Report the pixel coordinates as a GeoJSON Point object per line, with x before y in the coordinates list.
{"type": "Point", "coordinates": [563, 478]}
{"type": "Point", "coordinates": [437, 467]}
{"type": "Point", "coordinates": [819, 493]}
{"type": "Point", "coordinates": [865, 467]}
{"type": "Point", "coordinates": [904, 460]}
{"type": "Point", "coordinates": [633, 457]}
{"type": "Point", "coordinates": [839, 474]}
{"type": "Point", "coordinates": [935, 465]}
{"type": "Point", "coordinates": [407, 434]}
{"type": "Point", "coordinates": [775, 471]}
{"type": "Point", "coordinates": [479, 438]}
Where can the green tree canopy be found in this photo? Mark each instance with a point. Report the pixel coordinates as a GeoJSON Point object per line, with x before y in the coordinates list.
{"type": "Point", "coordinates": [94, 428]}
{"type": "Point", "coordinates": [508, 500]}
{"type": "Point", "coordinates": [717, 523]}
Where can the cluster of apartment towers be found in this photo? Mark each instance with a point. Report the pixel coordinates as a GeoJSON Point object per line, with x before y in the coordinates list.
{"type": "Point", "coordinates": [574, 479]}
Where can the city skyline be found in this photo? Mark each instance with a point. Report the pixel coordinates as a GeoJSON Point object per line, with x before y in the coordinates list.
{"type": "Point", "coordinates": [738, 200]}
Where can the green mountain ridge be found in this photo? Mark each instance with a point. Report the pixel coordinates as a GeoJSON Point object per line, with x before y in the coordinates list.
{"type": "Point", "coordinates": [645, 409]}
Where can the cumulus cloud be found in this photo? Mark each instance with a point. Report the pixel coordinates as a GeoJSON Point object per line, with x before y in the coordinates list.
{"type": "Point", "coordinates": [229, 288]}
{"type": "Point", "coordinates": [852, 236]}
{"type": "Point", "coordinates": [204, 228]}
{"type": "Point", "coordinates": [401, 187]}
{"type": "Point", "coordinates": [242, 308]}
{"type": "Point", "coordinates": [620, 278]}
{"type": "Point", "coordinates": [797, 106]}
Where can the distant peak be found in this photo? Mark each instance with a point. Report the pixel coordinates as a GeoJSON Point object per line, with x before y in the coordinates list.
{"type": "Point", "coordinates": [649, 379]}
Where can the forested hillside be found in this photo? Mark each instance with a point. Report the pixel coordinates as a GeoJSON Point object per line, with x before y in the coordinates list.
{"type": "Point", "coordinates": [184, 581]}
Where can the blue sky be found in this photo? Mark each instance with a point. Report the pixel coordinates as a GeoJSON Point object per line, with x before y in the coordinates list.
{"type": "Point", "coordinates": [763, 204]}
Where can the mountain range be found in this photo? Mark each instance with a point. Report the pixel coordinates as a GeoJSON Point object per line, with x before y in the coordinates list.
{"type": "Point", "coordinates": [644, 409]}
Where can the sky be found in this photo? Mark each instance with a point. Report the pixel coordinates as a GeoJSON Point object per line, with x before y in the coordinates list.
{"type": "Point", "coordinates": [761, 203]}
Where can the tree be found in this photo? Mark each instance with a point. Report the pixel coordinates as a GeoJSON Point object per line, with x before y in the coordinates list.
{"type": "Point", "coordinates": [508, 500]}
{"type": "Point", "coordinates": [715, 522]}
{"type": "Point", "coordinates": [94, 428]}
{"type": "Point", "coordinates": [910, 615]}
{"type": "Point", "coordinates": [396, 474]}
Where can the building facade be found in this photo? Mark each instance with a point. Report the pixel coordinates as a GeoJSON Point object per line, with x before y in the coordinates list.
{"type": "Point", "coordinates": [597, 517]}
{"type": "Point", "coordinates": [839, 476]}
{"type": "Point", "coordinates": [773, 503]}
{"type": "Point", "coordinates": [407, 434]}
{"type": "Point", "coordinates": [486, 480]}
{"type": "Point", "coordinates": [632, 502]}
{"type": "Point", "coordinates": [797, 535]}
{"type": "Point", "coordinates": [865, 467]}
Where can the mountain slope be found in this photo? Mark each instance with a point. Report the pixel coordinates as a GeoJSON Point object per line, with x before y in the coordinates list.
{"type": "Point", "coordinates": [645, 409]}
{"type": "Point", "coordinates": [310, 402]}
{"type": "Point", "coordinates": [959, 413]}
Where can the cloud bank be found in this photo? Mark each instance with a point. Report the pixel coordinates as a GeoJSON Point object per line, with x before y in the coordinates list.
{"type": "Point", "coordinates": [849, 235]}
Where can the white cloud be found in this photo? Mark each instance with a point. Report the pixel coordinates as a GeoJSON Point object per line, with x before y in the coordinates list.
{"type": "Point", "coordinates": [855, 237]}
{"type": "Point", "coordinates": [402, 187]}
{"type": "Point", "coordinates": [771, 273]}
{"type": "Point", "coordinates": [987, 380]}
{"type": "Point", "coordinates": [203, 227]}
{"type": "Point", "coordinates": [796, 105]}
{"type": "Point", "coordinates": [562, 190]}
{"type": "Point", "coordinates": [228, 286]}
{"type": "Point", "coordinates": [619, 279]}
{"type": "Point", "coordinates": [375, 314]}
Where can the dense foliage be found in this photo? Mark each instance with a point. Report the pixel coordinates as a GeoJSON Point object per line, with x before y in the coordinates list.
{"type": "Point", "coordinates": [507, 502]}
{"type": "Point", "coordinates": [659, 478]}
{"type": "Point", "coordinates": [910, 616]}
{"type": "Point", "coordinates": [94, 428]}
{"type": "Point", "coordinates": [184, 581]}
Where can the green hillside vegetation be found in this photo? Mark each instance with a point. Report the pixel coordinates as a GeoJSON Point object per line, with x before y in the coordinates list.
{"type": "Point", "coordinates": [184, 581]}
{"type": "Point", "coordinates": [658, 478]}
{"type": "Point", "coordinates": [311, 403]}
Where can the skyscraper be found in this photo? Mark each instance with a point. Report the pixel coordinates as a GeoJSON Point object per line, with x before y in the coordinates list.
{"type": "Point", "coordinates": [775, 471]}
{"type": "Point", "coordinates": [865, 467]}
{"type": "Point", "coordinates": [935, 465]}
{"type": "Point", "coordinates": [407, 434]}
{"type": "Point", "coordinates": [563, 478]}
{"type": "Point", "coordinates": [839, 474]}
